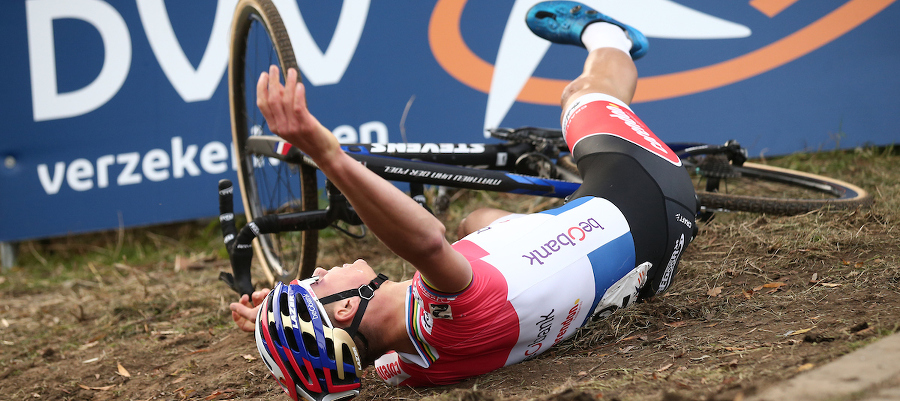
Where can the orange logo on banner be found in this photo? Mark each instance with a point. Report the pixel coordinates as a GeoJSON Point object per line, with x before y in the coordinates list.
{"type": "Point", "coordinates": [461, 63]}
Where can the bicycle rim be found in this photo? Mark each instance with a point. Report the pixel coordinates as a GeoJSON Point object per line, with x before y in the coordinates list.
{"type": "Point", "coordinates": [773, 190]}
{"type": "Point", "coordinates": [267, 185]}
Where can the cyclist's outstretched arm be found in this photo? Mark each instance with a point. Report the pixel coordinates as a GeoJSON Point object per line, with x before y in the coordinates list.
{"type": "Point", "coordinates": [407, 228]}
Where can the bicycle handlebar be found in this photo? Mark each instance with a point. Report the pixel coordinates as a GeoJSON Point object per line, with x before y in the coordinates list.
{"type": "Point", "coordinates": [239, 243]}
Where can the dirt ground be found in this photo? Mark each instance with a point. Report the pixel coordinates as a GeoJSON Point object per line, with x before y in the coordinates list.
{"type": "Point", "coordinates": [140, 314]}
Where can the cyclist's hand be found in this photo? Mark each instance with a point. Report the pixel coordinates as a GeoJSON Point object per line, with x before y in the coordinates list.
{"type": "Point", "coordinates": [244, 314]}
{"type": "Point", "coordinates": [284, 107]}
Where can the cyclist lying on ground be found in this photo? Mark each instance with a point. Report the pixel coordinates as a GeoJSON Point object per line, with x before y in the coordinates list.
{"type": "Point", "coordinates": [496, 296]}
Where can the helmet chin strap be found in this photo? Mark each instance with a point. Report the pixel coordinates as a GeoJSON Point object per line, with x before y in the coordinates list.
{"type": "Point", "coordinates": [365, 292]}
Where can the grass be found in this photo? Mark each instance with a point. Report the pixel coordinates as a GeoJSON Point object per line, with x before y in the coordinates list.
{"type": "Point", "coordinates": [89, 259]}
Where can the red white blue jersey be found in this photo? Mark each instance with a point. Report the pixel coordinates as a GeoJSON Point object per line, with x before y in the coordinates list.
{"type": "Point", "coordinates": [536, 279]}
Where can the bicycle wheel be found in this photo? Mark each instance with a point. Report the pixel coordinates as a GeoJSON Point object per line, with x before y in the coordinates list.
{"type": "Point", "coordinates": [267, 185]}
{"type": "Point", "coordinates": [760, 188]}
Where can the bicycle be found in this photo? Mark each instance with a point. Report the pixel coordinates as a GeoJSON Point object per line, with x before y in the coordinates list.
{"type": "Point", "coordinates": [280, 191]}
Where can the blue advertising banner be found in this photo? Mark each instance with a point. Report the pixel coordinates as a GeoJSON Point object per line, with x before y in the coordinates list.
{"type": "Point", "coordinates": [116, 111]}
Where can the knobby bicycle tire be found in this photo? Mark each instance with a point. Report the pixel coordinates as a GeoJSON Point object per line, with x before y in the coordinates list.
{"type": "Point", "coordinates": [837, 194]}
{"type": "Point", "coordinates": [259, 39]}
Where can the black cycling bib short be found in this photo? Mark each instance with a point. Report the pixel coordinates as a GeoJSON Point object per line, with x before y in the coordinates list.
{"type": "Point", "coordinates": [621, 160]}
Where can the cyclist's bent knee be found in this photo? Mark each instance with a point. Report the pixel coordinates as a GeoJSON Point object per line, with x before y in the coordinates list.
{"type": "Point", "coordinates": [478, 219]}
{"type": "Point", "coordinates": [585, 85]}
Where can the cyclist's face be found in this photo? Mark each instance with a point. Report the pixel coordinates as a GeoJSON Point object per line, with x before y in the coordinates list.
{"type": "Point", "coordinates": [340, 278]}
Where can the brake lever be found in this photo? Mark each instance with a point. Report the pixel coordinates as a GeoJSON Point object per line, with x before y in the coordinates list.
{"type": "Point", "coordinates": [736, 153]}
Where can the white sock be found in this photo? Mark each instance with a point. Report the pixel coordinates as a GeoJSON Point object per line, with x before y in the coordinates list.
{"type": "Point", "coordinates": [604, 34]}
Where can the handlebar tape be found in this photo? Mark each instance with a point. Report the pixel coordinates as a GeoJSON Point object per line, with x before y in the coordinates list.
{"type": "Point", "coordinates": [226, 213]}
{"type": "Point", "coordinates": [229, 233]}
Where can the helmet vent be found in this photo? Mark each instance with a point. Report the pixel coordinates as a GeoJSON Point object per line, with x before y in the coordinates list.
{"type": "Point", "coordinates": [302, 310]}
{"type": "Point", "coordinates": [291, 341]}
{"type": "Point", "coordinates": [345, 349]}
{"type": "Point", "coordinates": [339, 381]}
{"type": "Point", "coordinates": [283, 304]}
{"type": "Point", "coordinates": [329, 345]}
{"type": "Point", "coordinates": [274, 329]}
{"type": "Point", "coordinates": [309, 343]}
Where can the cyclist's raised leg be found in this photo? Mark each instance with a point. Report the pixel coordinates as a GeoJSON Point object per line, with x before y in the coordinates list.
{"type": "Point", "coordinates": [618, 156]}
{"type": "Point", "coordinates": [607, 70]}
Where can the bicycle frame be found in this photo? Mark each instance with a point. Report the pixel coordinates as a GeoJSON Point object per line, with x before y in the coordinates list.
{"type": "Point", "coordinates": [394, 162]}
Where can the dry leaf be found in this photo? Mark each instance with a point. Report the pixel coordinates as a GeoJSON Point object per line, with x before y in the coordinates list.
{"type": "Point", "coordinates": [664, 367]}
{"type": "Point", "coordinates": [676, 324]}
{"type": "Point", "coordinates": [796, 332]}
{"type": "Point", "coordinates": [122, 370]}
{"type": "Point", "coordinates": [88, 345]}
{"type": "Point", "coordinates": [714, 292]}
{"type": "Point", "coordinates": [773, 285]}
{"type": "Point", "coordinates": [814, 279]}
{"type": "Point", "coordinates": [830, 285]}
{"type": "Point", "coordinates": [732, 363]}
{"type": "Point", "coordinates": [96, 388]}
{"type": "Point", "coordinates": [248, 357]}
{"type": "Point", "coordinates": [806, 366]}
{"type": "Point", "coordinates": [179, 380]}
{"type": "Point", "coordinates": [865, 331]}
{"type": "Point", "coordinates": [216, 394]}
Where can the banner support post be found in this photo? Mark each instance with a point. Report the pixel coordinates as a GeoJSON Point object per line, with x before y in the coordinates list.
{"type": "Point", "coordinates": [8, 255]}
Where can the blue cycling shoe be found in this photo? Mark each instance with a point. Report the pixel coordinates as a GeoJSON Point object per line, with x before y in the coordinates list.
{"type": "Point", "coordinates": [564, 21]}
